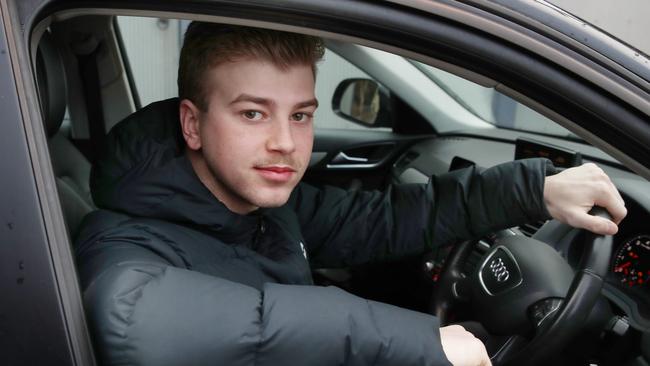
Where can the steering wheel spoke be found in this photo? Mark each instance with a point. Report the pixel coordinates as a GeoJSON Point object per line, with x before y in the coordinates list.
{"type": "Point", "coordinates": [507, 348]}
{"type": "Point", "coordinates": [544, 309]}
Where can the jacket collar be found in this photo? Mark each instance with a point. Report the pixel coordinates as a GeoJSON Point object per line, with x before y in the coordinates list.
{"type": "Point", "coordinates": [144, 172]}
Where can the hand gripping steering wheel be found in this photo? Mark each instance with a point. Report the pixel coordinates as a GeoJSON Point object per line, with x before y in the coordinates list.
{"type": "Point", "coordinates": [524, 289]}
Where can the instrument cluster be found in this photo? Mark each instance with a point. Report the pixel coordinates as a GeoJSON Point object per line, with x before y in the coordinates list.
{"type": "Point", "coordinates": [631, 265]}
{"type": "Point", "coordinates": [629, 277]}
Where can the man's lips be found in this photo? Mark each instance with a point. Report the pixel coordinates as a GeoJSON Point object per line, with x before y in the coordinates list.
{"type": "Point", "coordinates": [276, 169]}
{"type": "Point", "coordinates": [276, 173]}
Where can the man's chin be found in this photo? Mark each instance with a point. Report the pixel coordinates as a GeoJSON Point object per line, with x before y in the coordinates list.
{"type": "Point", "coordinates": [272, 203]}
{"type": "Point", "coordinates": [272, 199]}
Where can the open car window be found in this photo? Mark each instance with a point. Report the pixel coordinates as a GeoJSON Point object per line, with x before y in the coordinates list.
{"type": "Point", "coordinates": [152, 47]}
{"type": "Point", "coordinates": [492, 106]}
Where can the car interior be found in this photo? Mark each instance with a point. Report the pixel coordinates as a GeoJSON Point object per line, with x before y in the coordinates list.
{"type": "Point", "coordinates": [86, 85]}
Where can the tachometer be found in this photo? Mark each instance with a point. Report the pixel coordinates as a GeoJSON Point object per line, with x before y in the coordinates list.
{"type": "Point", "coordinates": [632, 262]}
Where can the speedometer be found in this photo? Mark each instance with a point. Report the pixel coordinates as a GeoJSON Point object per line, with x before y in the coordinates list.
{"type": "Point", "coordinates": [632, 262]}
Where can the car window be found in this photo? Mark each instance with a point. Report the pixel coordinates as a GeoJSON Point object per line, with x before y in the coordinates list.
{"type": "Point", "coordinates": [492, 106]}
{"type": "Point", "coordinates": [152, 48]}
{"type": "Point", "coordinates": [331, 72]}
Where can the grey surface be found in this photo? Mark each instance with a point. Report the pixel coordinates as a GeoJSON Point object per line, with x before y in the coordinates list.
{"type": "Point", "coordinates": [32, 327]}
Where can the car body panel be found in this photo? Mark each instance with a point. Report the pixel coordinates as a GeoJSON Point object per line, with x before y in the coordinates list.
{"type": "Point", "coordinates": [32, 324]}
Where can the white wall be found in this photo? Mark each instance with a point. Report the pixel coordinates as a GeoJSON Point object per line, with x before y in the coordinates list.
{"type": "Point", "coordinates": [625, 19]}
{"type": "Point", "coordinates": [152, 47]}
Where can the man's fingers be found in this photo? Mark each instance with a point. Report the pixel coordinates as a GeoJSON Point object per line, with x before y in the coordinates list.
{"type": "Point", "coordinates": [454, 329]}
{"type": "Point", "coordinates": [610, 199]}
{"type": "Point", "coordinates": [462, 348]}
{"type": "Point", "coordinates": [606, 194]}
{"type": "Point", "coordinates": [618, 194]}
{"type": "Point", "coordinates": [595, 224]}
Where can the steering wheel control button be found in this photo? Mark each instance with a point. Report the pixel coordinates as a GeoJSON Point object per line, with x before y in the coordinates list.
{"type": "Point", "coordinates": [461, 291]}
{"type": "Point", "coordinates": [619, 325]}
{"type": "Point", "coordinates": [541, 310]}
{"type": "Point", "coordinates": [499, 272]}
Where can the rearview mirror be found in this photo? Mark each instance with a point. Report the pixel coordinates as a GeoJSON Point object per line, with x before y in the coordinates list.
{"type": "Point", "coordinates": [363, 101]}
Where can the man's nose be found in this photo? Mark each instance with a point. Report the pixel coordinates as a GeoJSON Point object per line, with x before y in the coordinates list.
{"type": "Point", "coordinates": [281, 138]}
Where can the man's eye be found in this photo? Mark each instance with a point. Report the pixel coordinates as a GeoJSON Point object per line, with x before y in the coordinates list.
{"type": "Point", "coordinates": [301, 117]}
{"type": "Point", "coordinates": [253, 115]}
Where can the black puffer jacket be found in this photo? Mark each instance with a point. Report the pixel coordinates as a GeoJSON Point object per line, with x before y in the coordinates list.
{"type": "Point", "coordinates": [171, 277]}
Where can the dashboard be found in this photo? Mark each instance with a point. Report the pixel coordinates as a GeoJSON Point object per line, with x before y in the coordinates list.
{"type": "Point", "coordinates": [628, 281]}
{"type": "Point", "coordinates": [627, 284]}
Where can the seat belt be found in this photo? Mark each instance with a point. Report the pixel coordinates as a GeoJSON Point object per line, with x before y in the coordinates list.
{"type": "Point", "coordinates": [89, 72]}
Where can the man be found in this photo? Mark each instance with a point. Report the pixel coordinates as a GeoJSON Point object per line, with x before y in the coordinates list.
{"type": "Point", "coordinates": [203, 253]}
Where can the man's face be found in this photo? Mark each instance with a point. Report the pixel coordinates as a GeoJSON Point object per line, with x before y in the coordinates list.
{"type": "Point", "coordinates": [257, 135]}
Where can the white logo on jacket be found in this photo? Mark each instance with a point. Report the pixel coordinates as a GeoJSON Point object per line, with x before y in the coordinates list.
{"type": "Point", "coordinates": [304, 252]}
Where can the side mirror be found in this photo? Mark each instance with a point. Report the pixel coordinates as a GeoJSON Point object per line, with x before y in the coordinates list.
{"type": "Point", "coordinates": [363, 101]}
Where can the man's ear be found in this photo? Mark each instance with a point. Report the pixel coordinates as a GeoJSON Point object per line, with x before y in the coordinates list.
{"type": "Point", "coordinates": [189, 116]}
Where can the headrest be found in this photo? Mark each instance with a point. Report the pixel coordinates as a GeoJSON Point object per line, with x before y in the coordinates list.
{"type": "Point", "coordinates": [50, 78]}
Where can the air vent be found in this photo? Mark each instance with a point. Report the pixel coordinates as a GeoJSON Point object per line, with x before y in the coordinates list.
{"type": "Point", "coordinates": [474, 257]}
{"type": "Point", "coordinates": [531, 228]}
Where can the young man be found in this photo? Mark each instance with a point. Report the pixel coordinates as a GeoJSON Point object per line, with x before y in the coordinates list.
{"type": "Point", "coordinates": [203, 252]}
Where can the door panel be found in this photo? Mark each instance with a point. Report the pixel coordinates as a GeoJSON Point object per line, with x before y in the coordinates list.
{"type": "Point", "coordinates": [355, 158]}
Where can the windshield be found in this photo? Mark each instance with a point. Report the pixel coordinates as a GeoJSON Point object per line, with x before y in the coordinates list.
{"type": "Point", "coordinates": [492, 106]}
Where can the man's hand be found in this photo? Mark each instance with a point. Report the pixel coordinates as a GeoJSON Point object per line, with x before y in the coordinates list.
{"type": "Point", "coordinates": [462, 348]}
{"type": "Point", "coordinates": [570, 195]}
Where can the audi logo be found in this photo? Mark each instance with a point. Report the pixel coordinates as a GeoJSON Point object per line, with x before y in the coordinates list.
{"type": "Point", "coordinates": [499, 270]}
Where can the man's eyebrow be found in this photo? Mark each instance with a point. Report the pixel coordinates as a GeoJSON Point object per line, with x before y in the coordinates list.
{"type": "Point", "coordinates": [269, 102]}
{"type": "Point", "coordinates": [252, 99]}
{"type": "Point", "coordinates": [307, 103]}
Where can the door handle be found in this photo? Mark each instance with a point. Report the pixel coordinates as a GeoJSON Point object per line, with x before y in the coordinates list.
{"type": "Point", "coordinates": [345, 161]}
{"type": "Point", "coordinates": [343, 158]}
{"type": "Point", "coordinates": [362, 157]}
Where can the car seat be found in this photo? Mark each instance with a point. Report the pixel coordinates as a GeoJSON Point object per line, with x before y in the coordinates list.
{"type": "Point", "coordinates": [71, 168]}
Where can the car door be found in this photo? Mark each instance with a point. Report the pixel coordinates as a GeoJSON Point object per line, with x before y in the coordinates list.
{"type": "Point", "coordinates": [41, 319]}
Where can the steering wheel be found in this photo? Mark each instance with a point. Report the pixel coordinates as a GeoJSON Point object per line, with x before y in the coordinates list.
{"type": "Point", "coordinates": [524, 290]}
